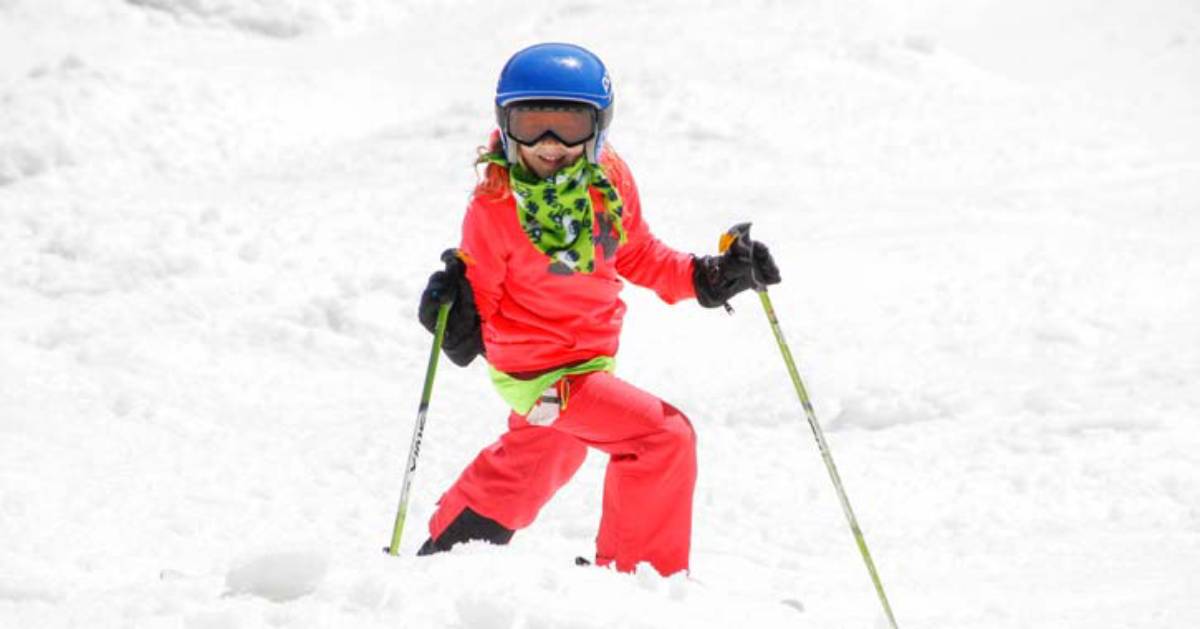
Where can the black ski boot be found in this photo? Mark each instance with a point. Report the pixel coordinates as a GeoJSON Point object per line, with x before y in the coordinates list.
{"type": "Point", "coordinates": [466, 527]}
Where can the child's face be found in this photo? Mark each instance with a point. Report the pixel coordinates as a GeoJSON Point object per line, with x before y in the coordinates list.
{"type": "Point", "coordinates": [548, 156]}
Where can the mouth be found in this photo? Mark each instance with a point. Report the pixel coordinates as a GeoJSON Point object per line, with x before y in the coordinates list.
{"type": "Point", "coordinates": [546, 164]}
{"type": "Point", "coordinates": [551, 161]}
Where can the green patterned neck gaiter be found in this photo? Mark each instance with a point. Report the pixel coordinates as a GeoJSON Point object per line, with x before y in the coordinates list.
{"type": "Point", "coordinates": [556, 213]}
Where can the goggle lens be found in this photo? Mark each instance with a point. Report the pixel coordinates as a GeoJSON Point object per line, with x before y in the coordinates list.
{"type": "Point", "coordinates": [569, 124]}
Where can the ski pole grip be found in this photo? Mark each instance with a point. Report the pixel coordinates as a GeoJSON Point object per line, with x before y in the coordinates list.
{"type": "Point", "coordinates": [454, 261]}
{"type": "Point", "coordinates": [730, 238]}
{"type": "Point", "coordinates": [739, 236]}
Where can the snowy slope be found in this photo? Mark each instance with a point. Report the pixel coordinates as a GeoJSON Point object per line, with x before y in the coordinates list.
{"type": "Point", "coordinates": [216, 218]}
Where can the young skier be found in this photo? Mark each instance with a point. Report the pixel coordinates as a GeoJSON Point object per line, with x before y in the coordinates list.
{"type": "Point", "coordinates": [552, 224]}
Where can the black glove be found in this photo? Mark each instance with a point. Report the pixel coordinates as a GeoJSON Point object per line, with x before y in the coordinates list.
{"type": "Point", "coordinates": [463, 340]}
{"type": "Point", "coordinates": [745, 264]}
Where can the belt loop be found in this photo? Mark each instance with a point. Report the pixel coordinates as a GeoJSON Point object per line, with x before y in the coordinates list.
{"type": "Point", "coordinates": [564, 391]}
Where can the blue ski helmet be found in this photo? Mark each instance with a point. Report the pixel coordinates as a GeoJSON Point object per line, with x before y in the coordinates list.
{"type": "Point", "coordinates": [563, 72]}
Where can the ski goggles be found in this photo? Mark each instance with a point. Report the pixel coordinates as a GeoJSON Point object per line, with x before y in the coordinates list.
{"type": "Point", "coordinates": [531, 122]}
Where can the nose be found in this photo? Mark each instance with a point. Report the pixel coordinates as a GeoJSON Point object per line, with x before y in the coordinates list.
{"type": "Point", "coordinates": [550, 142]}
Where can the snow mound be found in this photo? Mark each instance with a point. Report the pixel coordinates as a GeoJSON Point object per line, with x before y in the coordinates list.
{"type": "Point", "coordinates": [877, 409]}
{"type": "Point", "coordinates": [282, 19]}
{"type": "Point", "coordinates": [481, 610]}
{"type": "Point", "coordinates": [37, 118]}
{"type": "Point", "coordinates": [211, 620]}
{"type": "Point", "coordinates": [522, 586]}
{"type": "Point", "coordinates": [274, 18]}
{"type": "Point", "coordinates": [278, 576]}
{"type": "Point", "coordinates": [19, 160]}
{"type": "Point", "coordinates": [13, 590]}
{"type": "Point", "coordinates": [69, 112]}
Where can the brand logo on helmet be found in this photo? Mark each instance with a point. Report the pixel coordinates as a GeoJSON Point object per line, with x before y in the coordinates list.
{"type": "Point", "coordinates": [607, 82]}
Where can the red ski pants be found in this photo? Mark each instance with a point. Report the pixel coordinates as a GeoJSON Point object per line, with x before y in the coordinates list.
{"type": "Point", "coordinates": [647, 512]}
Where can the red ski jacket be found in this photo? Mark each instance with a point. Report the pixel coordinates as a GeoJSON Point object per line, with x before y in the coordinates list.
{"type": "Point", "coordinates": [534, 320]}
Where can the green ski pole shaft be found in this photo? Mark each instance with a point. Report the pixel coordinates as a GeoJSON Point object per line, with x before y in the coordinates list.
{"type": "Point", "coordinates": [419, 429]}
{"type": "Point", "coordinates": [825, 453]}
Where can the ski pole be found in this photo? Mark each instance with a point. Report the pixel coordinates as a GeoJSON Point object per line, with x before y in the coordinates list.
{"type": "Point", "coordinates": [414, 450]}
{"type": "Point", "coordinates": [727, 240]}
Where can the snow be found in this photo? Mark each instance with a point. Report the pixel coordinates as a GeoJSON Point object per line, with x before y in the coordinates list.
{"type": "Point", "coordinates": [278, 576]}
{"type": "Point", "coordinates": [216, 218]}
